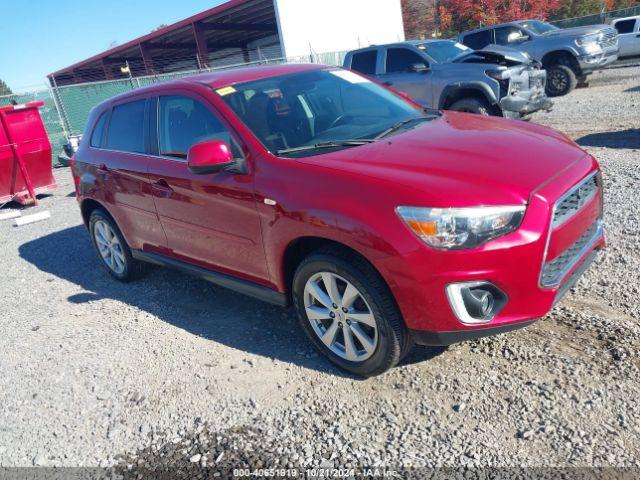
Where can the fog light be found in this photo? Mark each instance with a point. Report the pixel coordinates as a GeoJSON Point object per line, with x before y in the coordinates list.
{"type": "Point", "coordinates": [478, 302]}
{"type": "Point", "coordinates": [475, 302]}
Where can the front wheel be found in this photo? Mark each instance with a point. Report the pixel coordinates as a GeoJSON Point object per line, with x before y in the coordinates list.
{"type": "Point", "coordinates": [561, 80]}
{"type": "Point", "coordinates": [348, 312]}
{"type": "Point", "coordinates": [472, 105]}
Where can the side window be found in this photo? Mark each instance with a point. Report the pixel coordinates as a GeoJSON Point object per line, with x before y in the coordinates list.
{"type": "Point", "coordinates": [478, 40]}
{"type": "Point", "coordinates": [401, 60]}
{"type": "Point", "coordinates": [504, 34]}
{"type": "Point", "coordinates": [365, 62]}
{"type": "Point", "coordinates": [126, 127]}
{"type": "Point", "coordinates": [183, 122]}
{"type": "Point", "coordinates": [625, 26]}
{"type": "Point", "coordinates": [98, 131]}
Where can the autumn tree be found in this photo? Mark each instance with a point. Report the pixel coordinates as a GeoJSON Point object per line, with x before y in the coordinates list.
{"type": "Point", "coordinates": [459, 15]}
{"type": "Point", "coordinates": [4, 88]}
{"type": "Point", "coordinates": [420, 18]}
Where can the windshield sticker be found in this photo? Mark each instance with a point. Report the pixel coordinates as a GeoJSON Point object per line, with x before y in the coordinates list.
{"type": "Point", "coordinates": [225, 91]}
{"type": "Point", "coordinates": [349, 76]}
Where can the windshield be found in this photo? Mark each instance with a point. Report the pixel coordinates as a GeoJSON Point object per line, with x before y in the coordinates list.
{"type": "Point", "coordinates": [317, 107]}
{"type": "Point", "coordinates": [536, 26]}
{"type": "Point", "coordinates": [444, 51]}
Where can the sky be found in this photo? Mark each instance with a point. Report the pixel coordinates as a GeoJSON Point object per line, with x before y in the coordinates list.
{"type": "Point", "coordinates": [38, 37]}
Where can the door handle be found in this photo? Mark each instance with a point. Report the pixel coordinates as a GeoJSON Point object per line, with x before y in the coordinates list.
{"type": "Point", "coordinates": [102, 168]}
{"type": "Point", "coordinates": [163, 186]}
{"type": "Point", "coordinates": [388, 84]}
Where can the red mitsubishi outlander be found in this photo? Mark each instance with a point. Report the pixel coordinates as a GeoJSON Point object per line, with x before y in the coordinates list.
{"type": "Point", "coordinates": [384, 224]}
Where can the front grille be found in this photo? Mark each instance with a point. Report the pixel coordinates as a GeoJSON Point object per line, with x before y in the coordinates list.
{"type": "Point", "coordinates": [577, 198]}
{"type": "Point", "coordinates": [554, 270]}
{"type": "Point", "coordinates": [609, 39]}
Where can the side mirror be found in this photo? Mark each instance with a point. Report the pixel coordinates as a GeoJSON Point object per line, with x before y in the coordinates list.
{"type": "Point", "coordinates": [517, 37]}
{"type": "Point", "coordinates": [210, 156]}
{"type": "Point", "coordinates": [418, 68]}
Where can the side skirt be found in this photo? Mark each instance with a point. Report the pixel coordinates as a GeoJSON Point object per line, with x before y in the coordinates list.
{"type": "Point", "coordinates": [245, 287]}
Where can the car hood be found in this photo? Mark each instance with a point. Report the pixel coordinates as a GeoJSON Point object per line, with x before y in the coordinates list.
{"type": "Point", "coordinates": [490, 160]}
{"type": "Point", "coordinates": [495, 54]}
{"type": "Point", "coordinates": [577, 31]}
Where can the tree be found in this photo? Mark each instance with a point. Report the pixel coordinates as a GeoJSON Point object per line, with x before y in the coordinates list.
{"type": "Point", "coordinates": [460, 15]}
{"type": "Point", "coordinates": [420, 18]}
{"type": "Point", "coordinates": [4, 88]}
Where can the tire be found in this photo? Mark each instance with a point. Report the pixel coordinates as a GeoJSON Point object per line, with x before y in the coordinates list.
{"type": "Point", "coordinates": [561, 80]}
{"type": "Point", "coordinates": [119, 262]}
{"type": "Point", "coordinates": [378, 317]}
{"type": "Point", "coordinates": [472, 105]}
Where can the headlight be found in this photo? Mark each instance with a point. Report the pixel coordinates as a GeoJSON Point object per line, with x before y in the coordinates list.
{"type": "Point", "coordinates": [461, 228]}
{"type": "Point", "coordinates": [581, 42]}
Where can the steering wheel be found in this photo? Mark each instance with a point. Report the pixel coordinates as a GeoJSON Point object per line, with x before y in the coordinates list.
{"type": "Point", "coordinates": [339, 119]}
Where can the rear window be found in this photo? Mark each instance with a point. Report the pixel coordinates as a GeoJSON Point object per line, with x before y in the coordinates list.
{"type": "Point", "coordinates": [126, 128]}
{"type": "Point", "coordinates": [98, 131]}
{"type": "Point", "coordinates": [625, 26]}
{"type": "Point", "coordinates": [477, 40]}
{"type": "Point", "coordinates": [365, 62]}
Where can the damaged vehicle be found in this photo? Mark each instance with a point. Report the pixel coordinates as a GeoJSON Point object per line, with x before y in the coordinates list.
{"type": "Point", "coordinates": [447, 75]}
{"type": "Point", "coordinates": [568, 55]}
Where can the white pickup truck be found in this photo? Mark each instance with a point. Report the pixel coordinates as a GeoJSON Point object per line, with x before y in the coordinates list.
{"type": "Point", "coordinates": [628, 35]}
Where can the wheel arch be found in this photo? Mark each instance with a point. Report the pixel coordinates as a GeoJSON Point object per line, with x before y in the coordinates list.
{"type": "Point", "coordinates": [300, 248]}
{"type": "Point", "coordinates": [453, 93]}
{"type": "Point", "coordinates": [88, 206]}
{"type": "Point", "coordinates": [563, 57]}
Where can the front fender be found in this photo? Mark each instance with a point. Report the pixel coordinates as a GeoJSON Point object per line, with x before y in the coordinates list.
{"type": "Point", "coordinates": [478, 86]}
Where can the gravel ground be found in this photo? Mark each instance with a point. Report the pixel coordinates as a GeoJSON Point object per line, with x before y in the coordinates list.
{"type": "Point", "coordinates": [172, 372]}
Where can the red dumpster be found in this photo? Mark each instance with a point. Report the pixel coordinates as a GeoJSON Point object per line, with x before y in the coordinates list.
{"type": "Point", "coordinates": [25, 154]}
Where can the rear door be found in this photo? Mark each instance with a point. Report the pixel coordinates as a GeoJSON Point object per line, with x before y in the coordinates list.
{"type": "Point", "coordinates": [399, 74]}
{"type": "Point", "coordinates": [210, 220]}
{"type": "Point", "coordinates": [628, 36]}
{"type": "Point", "coordinates": [118, 149]}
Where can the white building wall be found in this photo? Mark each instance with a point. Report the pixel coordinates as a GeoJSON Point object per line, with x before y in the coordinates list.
{"type": "Point", "coordinates": [336, 25]}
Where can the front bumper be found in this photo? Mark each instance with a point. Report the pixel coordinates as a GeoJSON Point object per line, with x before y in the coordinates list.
{"type": "Point", "coordinates": [525, 101]}
{"type": "Point", "coordinates": [513, 263]}
{"type": "Point", "coordinates": [591, 62]}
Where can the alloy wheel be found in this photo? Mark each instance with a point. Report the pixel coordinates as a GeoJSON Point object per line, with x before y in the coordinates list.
{"type": "Point", "coordinates": [340, 316]}
{"type": "Point", "coordinates": [109, 247]}
{"type": "Point", "coordinates": [558, 80]}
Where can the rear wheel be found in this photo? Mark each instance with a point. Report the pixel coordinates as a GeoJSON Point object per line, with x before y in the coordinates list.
{"type": "Point", "coordinates": [472, 105]}
{"type": "Point", "coordinates": [112, 249]}
{"type": "Point", "coordinates": [561, 80]}
{"type": "Point", "coordinates": [348, 312]}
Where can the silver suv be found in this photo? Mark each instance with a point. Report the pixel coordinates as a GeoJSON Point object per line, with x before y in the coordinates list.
{"type": "Point", "coordinates": [567, 54]}
{"type": "Point", "coordinates": [444, 74]}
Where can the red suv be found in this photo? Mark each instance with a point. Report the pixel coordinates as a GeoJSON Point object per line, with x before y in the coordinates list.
{"type": "Point", "coordinates": [384, 224]}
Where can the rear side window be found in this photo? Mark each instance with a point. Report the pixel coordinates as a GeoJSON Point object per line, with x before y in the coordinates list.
{"type": "Point", "coordinates": [625, 26]}
{"type": "Point", "coordinates": [98, 131]}
{"type": "Point", "coordinates": [184, 122]}
{"type": "Point", "coordinates": [401, 59]}
{"type": "Point", "coordinates": [126, 128]}
{"type": "Point", "coordinates": [477, 40]}
{"type": "Point", "coordinates": [365, 62]}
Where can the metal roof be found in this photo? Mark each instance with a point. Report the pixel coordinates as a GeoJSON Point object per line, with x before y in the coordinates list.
{"type": "Point", "coordinates": [230, 25]}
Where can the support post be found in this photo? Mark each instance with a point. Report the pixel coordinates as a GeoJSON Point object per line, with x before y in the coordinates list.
{"type": "Point", "coordinates": [202, 49]}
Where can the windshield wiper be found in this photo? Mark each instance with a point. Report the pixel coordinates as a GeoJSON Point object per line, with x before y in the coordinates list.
{"type": "Point", "coordinates": [397, 126]}
{"type": "Point", "coordinates": [332, 144]}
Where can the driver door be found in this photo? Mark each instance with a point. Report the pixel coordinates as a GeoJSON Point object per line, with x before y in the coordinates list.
{"type": "Point", "coordinates": [209, 220]}
{"type": "Point", "coordinates": [399, 74]}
